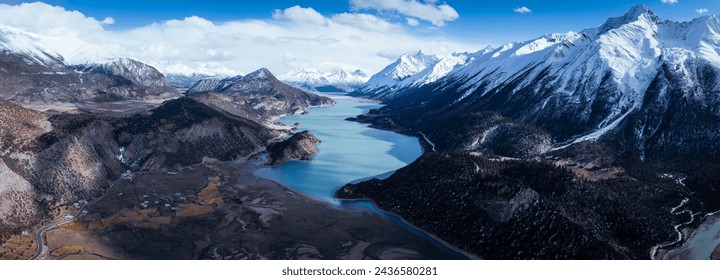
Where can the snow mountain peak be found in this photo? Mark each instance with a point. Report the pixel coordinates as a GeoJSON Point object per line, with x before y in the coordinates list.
{"type": "Point", "coordinates": [262, 73]}
{"type": "Point", "coordinates": [318, 80]}
{"type": "Point", "coordinates": [639, 13]}
{"type": "Point", "coordinates": [633, 72]}
{"type": "Point", "coordinates": [412, 70]}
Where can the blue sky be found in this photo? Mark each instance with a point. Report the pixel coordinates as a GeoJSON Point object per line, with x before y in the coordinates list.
{"type": "Point", "coordinates": [492, 22]}
{"type": "Point", "coordinates": [226, 37]}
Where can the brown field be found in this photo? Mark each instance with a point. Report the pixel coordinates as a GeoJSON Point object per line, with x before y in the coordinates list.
{"type": "Point", "coordinates": [18, 247]}
{"type": "Point", "coordinates": [191, 210]}
{"type": "Point", "coordinates": [83, 257]}
{"type": "Point", "coordinates": [74, 241]}
{"type": "Point", "coordinates": [145, 218]}
{"type": "Point", "coordinates": [211, 193]}
{"type": "Point", "coordinates": [716, 254]}
{"type": "Point", "coordinates": [67, 250]}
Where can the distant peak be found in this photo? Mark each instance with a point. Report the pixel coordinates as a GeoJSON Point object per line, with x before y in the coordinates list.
{"type": "Point", "coordinates": [359, 72]}
{"type": "Point", "coordinates": [638, 10]}
{"type": "Point", "coordinates": [260, 73]}
{"type": "Point", "coordinates": [636, 13]}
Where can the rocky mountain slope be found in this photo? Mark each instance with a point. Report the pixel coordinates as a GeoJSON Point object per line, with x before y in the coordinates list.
{"type": "Point", "coordinates": [51, 160]}
{"type": "Point", "coordinates": [258, 95]}
{"type": "Point", "coordinates": [184, 131]}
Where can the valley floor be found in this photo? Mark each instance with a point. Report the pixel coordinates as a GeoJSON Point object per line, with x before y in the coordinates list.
{"type": "Point", "coordinates": [222, 211]}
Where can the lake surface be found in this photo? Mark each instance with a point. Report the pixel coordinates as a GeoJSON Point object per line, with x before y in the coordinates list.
{"type": "Point", "coordinates": [349, 150]}
{"type": "Point", "coordinates": [701, 243]}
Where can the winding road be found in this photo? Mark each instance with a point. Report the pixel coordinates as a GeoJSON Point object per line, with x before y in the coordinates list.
{"type": "Point", "coordinates": [41, 248]}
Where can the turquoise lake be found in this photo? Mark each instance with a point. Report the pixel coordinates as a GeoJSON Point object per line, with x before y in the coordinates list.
{"type": "Point", "coordinates": [349, 150]}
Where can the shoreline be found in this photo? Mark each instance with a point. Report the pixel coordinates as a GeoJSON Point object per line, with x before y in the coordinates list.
{"type": "Point", "coordinates": [257, 165]}
{"type": "Point", "coordinates": [439, 240]}
{"type": "Point", "coordinates": [339, 203]}
{"type": "Point", "coordinates": [681, 249]}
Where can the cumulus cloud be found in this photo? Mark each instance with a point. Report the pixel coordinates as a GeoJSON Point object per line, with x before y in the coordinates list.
{"type": "Point", "coordinates": [701, 11]}
{"type": "Point", "coordinates": [522, 10]}
{"type": "Point", "coordinates": [669, 1]}
{"type": "Point", "coordinates": [428, 11]}
{"type": "Point", "coordinates": [346, 40]}
{"type": "Point", "coordinates": [300, 14]}
{"type": "Point", "coordinates": [42, 18]}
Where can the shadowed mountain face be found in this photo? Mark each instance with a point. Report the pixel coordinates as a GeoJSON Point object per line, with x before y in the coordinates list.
{"type": "Point", "coordinates": [184, 131]}
{"type": "Point", "coordinates": [258, 95]}
{"type": "Point", "coordinates": [526, 210]}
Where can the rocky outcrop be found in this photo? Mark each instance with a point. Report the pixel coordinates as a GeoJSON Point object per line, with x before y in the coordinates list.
{"type": "Point", "coordinates": [299, 146]}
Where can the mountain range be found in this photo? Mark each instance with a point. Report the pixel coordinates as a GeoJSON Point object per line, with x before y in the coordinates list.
{"type": "Point", "coordinates": [646, 81]}
{"type": "Point", "coordinates": [326, 81]}
{"type": "Point", "coordinates": [597, 144]}
{"type": "Point", "coordinates": [624, 113]}
{"type": "Point", "coordinates": [407, 72]}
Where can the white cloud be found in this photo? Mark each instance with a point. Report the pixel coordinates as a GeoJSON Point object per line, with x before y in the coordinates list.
{"type": "Point", "coordinates": [701, 11]}
{"type": "Point", "coordinates": [669, 1]}
{"type": "Point", "coordinates": [42, 18]}
{"type": "Point", "coordinates": [429, 10]}
{"type": "Point", "coordinates": [412, 22]}
{"type": "Point", "coordinates": [108, 21]}
{"type": "Point", "coordinates": [296, 38]}
{"type": "Point", "coordinates": [363, 21]}
{"type": "Point", "coordinates": [522, 10]}
{"type": "Point", "coordinates": [300, 14]}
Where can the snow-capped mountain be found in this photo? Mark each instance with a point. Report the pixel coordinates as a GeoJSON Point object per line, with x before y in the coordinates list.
{"type": "Point", "coordinates": [646, 80]}
{"type": "Point", "coordinates": [409, 71]}
{"type": "Point", "coordinates": [317, 80]}
{"type": "Point", "coordinates": [183, 76]}
{"type": "Point", "coordinates": [68, 49]}
{"type": "Point", "coordinates": [135, 71]}
{"type": "Point", "coordinates": [30, 46]}
{"type": "Point", "coordinates": [257, 81]}
{"type": "Point", "coordinates": [35, 71]}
